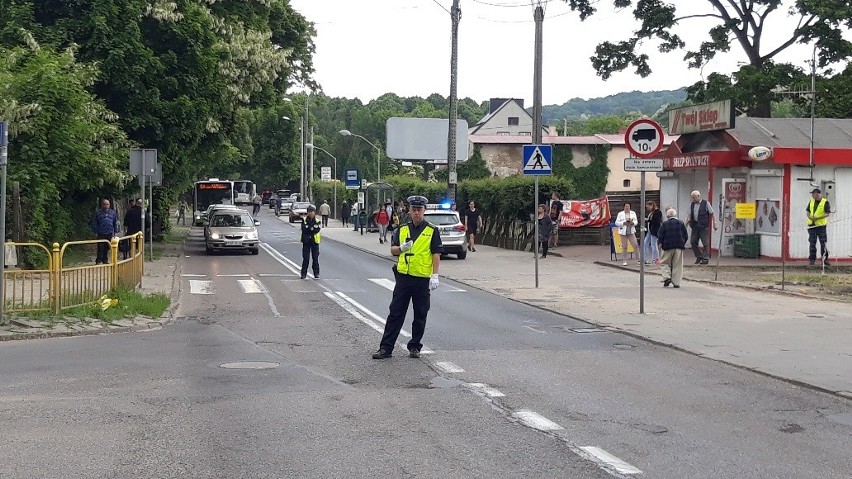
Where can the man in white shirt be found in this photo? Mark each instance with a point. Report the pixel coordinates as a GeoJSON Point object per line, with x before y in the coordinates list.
{"type": "Point", "coordinates": [626, 222]}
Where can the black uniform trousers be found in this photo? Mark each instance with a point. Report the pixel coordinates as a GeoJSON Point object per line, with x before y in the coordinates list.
{"type": "Point", "coordinates": [103, 249]}
{"type": "Point", "coordinates": [310, 253]}
{"type": "Point", "coordinates": [408, 288]}
{"type": "Point", "coordinates": [817, 233]}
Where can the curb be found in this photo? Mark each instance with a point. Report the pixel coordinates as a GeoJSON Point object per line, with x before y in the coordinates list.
{"type": "Point", "coordinates": [109, 329]}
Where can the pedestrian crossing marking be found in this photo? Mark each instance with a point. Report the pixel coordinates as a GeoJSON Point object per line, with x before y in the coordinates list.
{"type": "Point", "coordinates": [251, 286]}
{"type": "Point", "coordinates": [200, 287]}
{"type": "Point", "coordinates": [384, 283]}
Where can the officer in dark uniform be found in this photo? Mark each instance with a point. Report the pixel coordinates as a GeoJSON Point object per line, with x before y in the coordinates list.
{"type": "Point", "coordinates": [310, 242]}
{"type": "Point", "coordinates": [418, 246]}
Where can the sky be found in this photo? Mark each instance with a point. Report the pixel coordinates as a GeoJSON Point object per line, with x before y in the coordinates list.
{"type": "Point", "coordinates": [366, 48]}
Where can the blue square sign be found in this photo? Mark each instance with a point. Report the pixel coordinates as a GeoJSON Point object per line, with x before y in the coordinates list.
{"type": "Point", "coordinates": [538, 160]}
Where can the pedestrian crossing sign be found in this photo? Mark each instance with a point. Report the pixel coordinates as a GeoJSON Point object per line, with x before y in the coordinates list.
{"type": "Point", "coordinates": [538, 160]}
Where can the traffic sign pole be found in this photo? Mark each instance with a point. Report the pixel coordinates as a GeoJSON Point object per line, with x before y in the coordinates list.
{"type": "Point", "coordinates": [4, 157]}
{"type": "Point", "coordinates": [642, 249]}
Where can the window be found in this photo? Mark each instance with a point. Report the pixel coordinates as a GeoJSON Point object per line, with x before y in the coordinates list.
{"type": "Point", "coordinates": [502, 133]}
{"type": "Point", "coordinates": [513, 121]}
{"type": "Point", "coordinates": [626, 183]}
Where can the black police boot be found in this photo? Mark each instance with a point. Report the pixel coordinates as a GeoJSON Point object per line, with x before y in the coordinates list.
{"type": "Point", "coordinates": [413, 353]}
{"type": "Point", "coordinates": [381, 354]}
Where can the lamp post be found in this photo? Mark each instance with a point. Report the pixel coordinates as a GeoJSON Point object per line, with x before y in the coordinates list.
{"type": "Point", "coordinates": [314, 147]}
{"type": "Point", "coordinates": [378, 153]}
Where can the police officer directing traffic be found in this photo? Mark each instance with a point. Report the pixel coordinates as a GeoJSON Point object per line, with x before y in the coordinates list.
{"type": "Point", "coordinates": [310, 242]}
{"type": "Point", "coordinates": [418, 246]}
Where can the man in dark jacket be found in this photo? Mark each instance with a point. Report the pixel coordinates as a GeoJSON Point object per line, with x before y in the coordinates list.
{"type": "Point", "coordinates": [105, 226]}
{"type": "Point", "coordinates": [701, 219]}
{"type": "Point", "coordinates": [310, 242]}
{"type": "Point", "coordinates": [132, 225]}
{"type": "Point", "coordinates": [672, 239]}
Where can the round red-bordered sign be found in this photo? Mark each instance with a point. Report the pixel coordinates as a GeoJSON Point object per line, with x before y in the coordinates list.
{"type": "Point", "coordinates": [644, 138]}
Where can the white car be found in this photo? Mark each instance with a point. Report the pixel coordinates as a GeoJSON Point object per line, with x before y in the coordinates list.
{"type": "Point", "coordinates": [232, 229]}
{"type": "Point", "coordinates": [452, 230]}
{"type": "Point", "coordinates": [298, 211]}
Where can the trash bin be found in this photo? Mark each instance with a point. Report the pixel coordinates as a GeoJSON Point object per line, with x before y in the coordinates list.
{"type": "Point", "coordinates": [747, 246]}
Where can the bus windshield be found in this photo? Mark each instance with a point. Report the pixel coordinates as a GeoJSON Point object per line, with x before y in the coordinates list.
{"type": "Point", "coordinates": [213, 193]}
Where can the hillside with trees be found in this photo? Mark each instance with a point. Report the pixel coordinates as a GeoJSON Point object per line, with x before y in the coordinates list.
{"type": "Point", "coordinates": [620, 104]}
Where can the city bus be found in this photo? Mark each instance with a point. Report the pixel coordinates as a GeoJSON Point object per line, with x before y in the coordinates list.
{"type": "Point", "coordinates": [210, 192]}
{"type": "Point", "coordinates": [244, 191]}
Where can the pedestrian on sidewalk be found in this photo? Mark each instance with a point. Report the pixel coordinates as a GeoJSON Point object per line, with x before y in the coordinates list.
{"type": "Point", "coordinates": [105, 227]}
{"type": "Point", "coordinates": [818, 210]}
{"type": "Point", "coordinates": [626, 222]}
{"type": "Point", "coordinates": [653, 220]}
{"type": "Point", "coordinates": [472, 224]}
{"type": "Point", "coordinates": [132, 224]}
{"type": "Point", "coordinates": [325, 211]}
{"type": "Point", "coordinates": [545, 229]}
{"type": "Point", "coordinates": [181, 213]}
{"type": "Point", "coordinates": [383, 220]}
{"type": "Point", "coordinates": [556, 208]}
{"type": "Point", "coordinates": [345, 210]}
{"type": "Point", "coordinates": [310, 242]}
{"type": "Point", "coordinates": [672, 237]}
{"type": "Point", "coordinates": [417, 244]}
{"type": "Point", "coordinates": [701, 217]}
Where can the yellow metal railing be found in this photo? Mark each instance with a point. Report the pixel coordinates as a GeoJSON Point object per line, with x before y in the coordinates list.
{"type": "Point", "coordinates": [59, 287]}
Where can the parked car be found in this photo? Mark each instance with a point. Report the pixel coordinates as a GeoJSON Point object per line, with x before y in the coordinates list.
{"type": "Point", "coordinates": [298, 211]}
{"type": "Point", "coordinates": [231, 230]}
{"type": "Point", "coordinates": [265, 196]}
{"type": "Point", "coordinates": [450, 227]}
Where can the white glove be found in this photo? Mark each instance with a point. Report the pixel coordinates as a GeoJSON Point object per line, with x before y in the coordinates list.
{"type": "Point", "coordinates": [406, 246]}
{"type": "Point", "coordinates": [433, 282]}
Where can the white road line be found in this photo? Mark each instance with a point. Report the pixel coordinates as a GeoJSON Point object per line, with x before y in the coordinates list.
{"type": "Point", "coordinates": [193, 275]}
{"type": "Point", "coordinates": [536, 421]}
{"type": "Point", "coordinates": [251, 286]}
{"type": "Point", "coordinates": [280, 258]}
{"type": "Point", "coordinates": [486, 390]}
{"type": "Point", "coordinates": [448, 367]}
{"type": "Point", "coordinates": [353, 311]}
{"type": "Point", "coordinates": [446, 288]}
{"type": "Point", "coordinates": [384, 283]}
{"type": "Point", "coordinates": [373, 315]}
{"type": "Point", "coordinates": [200, 287]}
{"type": "Point", "coordinates": [233, 275]}
{"type": "Point", "coordinates": [608, 461]}
{"type": "Point", "coordinates": [274, 275]}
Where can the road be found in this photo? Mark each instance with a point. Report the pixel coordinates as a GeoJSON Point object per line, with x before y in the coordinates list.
{"type": "Point", "coordinates": [507, 390]}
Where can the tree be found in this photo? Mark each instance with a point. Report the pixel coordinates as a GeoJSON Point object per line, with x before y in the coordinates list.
{"type": "Point", "coordinates": [741, 23]}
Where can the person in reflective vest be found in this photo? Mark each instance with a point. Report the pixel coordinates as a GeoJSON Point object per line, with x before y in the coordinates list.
{"type": "Point", "coordinates": [417, 245]}
{"type": "Point", "coordinates": [818, 210]}
{"type": "Point", "coordinates": [310, 242]}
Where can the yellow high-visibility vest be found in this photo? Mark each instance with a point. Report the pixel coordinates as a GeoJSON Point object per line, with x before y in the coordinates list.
{"type": "Point", "coordinates": [418, 260]}
{"type": "Point", "coordinates": [820, 210]}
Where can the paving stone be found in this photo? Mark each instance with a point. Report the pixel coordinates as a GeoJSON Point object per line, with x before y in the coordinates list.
{"type": "Point", "coordinates": [125, 323]}
{"type": "Point", "coordinates": [26, 323]}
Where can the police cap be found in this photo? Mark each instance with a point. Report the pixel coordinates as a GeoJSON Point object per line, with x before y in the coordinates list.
{"type": "Point", "coordinates": [312, 208]}
{"type": "Point", "coordinates": [417, 201]}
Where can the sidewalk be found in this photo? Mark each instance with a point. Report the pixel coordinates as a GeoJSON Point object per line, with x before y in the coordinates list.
{"type": "Point", "coordinates": [799, 339]}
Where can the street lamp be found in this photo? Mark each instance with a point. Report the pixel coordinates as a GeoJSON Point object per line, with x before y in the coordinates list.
{"type": "Point", "coordinates": [313, 147]}
{"type": "Point", "coordinates": [378, 153]}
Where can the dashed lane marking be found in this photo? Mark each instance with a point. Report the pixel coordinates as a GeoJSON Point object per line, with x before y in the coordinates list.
{"type": "Point", "coordinates": [448, 367]}
{"type": "Point", "coordinates": [486, 390]}
{"type": "Point", "coordinates": [200, 287]}
{"type": "Point", "coordinates": [607, 461]}
{"type": "Point", "coordinates": [536, 421]}
{"type": "Point", "coordinates": [244, 275]}
{"type": "Point", "coordinates": [187, 275]}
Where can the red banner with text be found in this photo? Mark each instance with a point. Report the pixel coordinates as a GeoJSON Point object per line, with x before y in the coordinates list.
{"type": "Point", "coordinates": [578, 214]}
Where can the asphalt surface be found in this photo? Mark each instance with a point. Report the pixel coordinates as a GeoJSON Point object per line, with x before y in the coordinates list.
{"type": "Point", "coordinates": [158, 404]}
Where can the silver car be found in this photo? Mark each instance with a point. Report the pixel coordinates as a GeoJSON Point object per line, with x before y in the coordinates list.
{"type": "Point", "coordinates": [231, 230]}
{"type": "Point", "coordinates": [298, 211]}
{"type": "Point", "coordinates": [453, 234]}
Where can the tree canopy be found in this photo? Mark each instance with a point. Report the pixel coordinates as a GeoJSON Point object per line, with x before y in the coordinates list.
{"type": "Point", "coordinates": [739, 24]}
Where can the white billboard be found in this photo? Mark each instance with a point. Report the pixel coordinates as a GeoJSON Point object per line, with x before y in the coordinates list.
{"type": "Point", "coordinates": [424, 139]}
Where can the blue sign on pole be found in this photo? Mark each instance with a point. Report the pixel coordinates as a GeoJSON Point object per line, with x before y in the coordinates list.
{"type": "Point", "coordinates": [538, 160]}
{"type": "Point", "coordinates": [3, 137]}
{"type": "Point", "coordinates": [353, 179]}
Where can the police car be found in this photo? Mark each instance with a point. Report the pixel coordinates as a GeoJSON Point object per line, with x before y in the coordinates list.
{"type": "Point", "coordinates": [453, 234]}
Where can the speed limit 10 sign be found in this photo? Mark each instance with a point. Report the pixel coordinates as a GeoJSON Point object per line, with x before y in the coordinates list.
{"type": "Point", "coordinates": [644, 138]}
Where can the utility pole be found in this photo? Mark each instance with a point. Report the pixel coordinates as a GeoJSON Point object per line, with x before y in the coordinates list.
{"type": "Point", "coordinates": [4, 159]}
{"type": "Point", "coordinates": [311, 175]}
{"type": "Point", "coordinates": [538, 15]}
{"type": "Point", "coordinates": [452, 178]}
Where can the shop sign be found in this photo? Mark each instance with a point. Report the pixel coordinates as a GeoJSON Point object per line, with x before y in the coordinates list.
{"type": "Point", "coordinates": [717, 115]}
{"type": "Point", "coordinates": [688, 161]}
